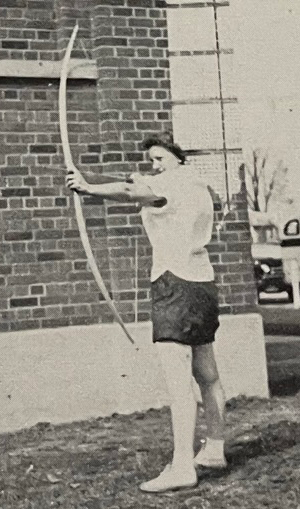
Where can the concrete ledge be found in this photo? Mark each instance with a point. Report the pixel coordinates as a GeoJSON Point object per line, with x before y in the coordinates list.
{"type": "Point", "coordinates": [281, 319]}
{"type": "Point", "coordinates": [79, 69]}
{"type": "Point", "coordinates": [283, 357]}
{"type": "Point", "coordinates": [74, 373]}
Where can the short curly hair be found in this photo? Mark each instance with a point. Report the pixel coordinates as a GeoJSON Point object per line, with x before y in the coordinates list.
{"type": "Point", "coordinates": [165, 140]}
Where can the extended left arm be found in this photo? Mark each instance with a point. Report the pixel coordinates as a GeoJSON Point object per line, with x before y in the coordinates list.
{"type": "Point", "coordinates": [117, 191]}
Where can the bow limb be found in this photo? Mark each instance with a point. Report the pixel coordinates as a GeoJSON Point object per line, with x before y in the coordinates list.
{"type": "Point", "coordinates": [70, 166]}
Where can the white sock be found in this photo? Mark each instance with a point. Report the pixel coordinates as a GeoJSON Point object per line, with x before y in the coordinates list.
{"type": "Point", "coordinates": [214, 447]}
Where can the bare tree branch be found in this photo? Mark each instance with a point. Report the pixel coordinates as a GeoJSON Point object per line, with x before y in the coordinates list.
{"type": "Point", "coordinates": [260, 187]}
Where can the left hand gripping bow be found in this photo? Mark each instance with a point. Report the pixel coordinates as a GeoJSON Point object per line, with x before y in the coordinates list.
{"type": "Point", "coordinates": [70, 166]}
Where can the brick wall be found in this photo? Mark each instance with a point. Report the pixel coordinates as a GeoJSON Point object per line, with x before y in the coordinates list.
{"type": "Point", "coordinates": [133, 96]}
{"type": "Point", "coordinates": [44, 277]}
{"type": "Point", "coordinates": [230, 253]}
{"type": "Point", "coordinates": [28, 29]}
{"type": "Point", "coordinates": [39, 29]}
{"type": "Point", "coordinates": [43, 269]}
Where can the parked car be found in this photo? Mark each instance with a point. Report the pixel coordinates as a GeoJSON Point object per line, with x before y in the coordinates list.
{"type": "Point", "coordinates": [270, 277]}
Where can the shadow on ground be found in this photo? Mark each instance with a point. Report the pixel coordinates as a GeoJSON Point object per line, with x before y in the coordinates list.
{"type": "Point", "coordinates": [261, 440]}
{"type": "Point", "coordinates": [288, 386]}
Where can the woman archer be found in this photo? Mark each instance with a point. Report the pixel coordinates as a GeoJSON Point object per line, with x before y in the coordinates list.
{"type": "Point", "coordinates": [177, 213]}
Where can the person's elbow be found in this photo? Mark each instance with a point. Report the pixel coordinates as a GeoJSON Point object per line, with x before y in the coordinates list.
{"type": "Point", "coordinates": [138, 193]}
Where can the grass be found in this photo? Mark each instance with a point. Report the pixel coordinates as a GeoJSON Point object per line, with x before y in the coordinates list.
{"type": "Point", "coordinates": [98, 464]}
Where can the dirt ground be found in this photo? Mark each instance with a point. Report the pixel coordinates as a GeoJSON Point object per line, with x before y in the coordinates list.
{"type": "Point", "coordinates": [99, 463]}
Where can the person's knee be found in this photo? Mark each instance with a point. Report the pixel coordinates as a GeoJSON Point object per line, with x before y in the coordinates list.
{"type": "Point", "coordinates": [181, 393]}
{"type": "Point", "coordinates": [204, 365]}
{"type": "Point", "coordinates": [176, 362]}
{"type": "Point", "coordinates": [205, 375]}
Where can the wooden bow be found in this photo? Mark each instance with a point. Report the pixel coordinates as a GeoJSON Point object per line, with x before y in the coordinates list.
{"type": "Point", "coordinates": [70, 166]}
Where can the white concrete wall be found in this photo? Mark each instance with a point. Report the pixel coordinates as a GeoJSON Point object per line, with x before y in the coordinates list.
{"type": "Point", "coordinates": [74, 373]}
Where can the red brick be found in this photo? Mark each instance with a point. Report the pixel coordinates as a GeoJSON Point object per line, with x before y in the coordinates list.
{"type": "Point", "coordinates": [55, 322]}
{"type": "Point", "coordinates": [17, 236]}
{"type": "Point", "coordinates": [5, 269]}
{"type": "Point", "coordinates": [37, 290]}
{"type": "Point", "coordinates": [239, 246]}
{"type": "Point", "coordinates": [23, 302]}
{"type": "Point", "coordinates": [24, 324]}
{"type": "Point", "coordinates": [237, 226]}
{"type": "Point", "coordinates": [17, 44]}
{"type": "Point", "coordinates": [3, 204]}
{"type": "Point", "coordinates": [146, 73]}
{"type": "Point", "coordinates": [143, 52]}
{"type": "Point", "coordinates": [95, 222]}
{"type": "Point", "coordinates": [140, 3]}
{"type": "Point", "coordinates": [232, 278]}
{"type": "Point", "coordinates": [112, 41]}
{"type": "Point", "coordinates": [230, 258]}
{"type": "Point", "coordinates": [47, 256]}
{"type": "Point", "coordinates": [23, 191]}
{"type": "Point", "coordinates": [121, 209]}
{"type": "Point", "coordinates": [162, 43]}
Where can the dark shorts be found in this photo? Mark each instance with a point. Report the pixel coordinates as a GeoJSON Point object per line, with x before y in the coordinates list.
{"type": "Point", "coordinates": [184, 311]}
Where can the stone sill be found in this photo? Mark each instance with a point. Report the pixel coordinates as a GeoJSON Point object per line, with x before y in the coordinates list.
{"type": "Point", "coordinates": [79, 69]}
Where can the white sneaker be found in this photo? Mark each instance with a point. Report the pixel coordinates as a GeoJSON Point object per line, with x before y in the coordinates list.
{"type": "Point", "coordinates": [171, 479]}
{"type": "Point", "coordinates": [208, 457]}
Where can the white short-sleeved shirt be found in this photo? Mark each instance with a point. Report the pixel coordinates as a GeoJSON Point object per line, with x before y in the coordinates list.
{"type": "Point", "coordinates": [180, 230]}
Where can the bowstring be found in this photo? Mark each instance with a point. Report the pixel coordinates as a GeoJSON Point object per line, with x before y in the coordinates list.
{"type": "Point", "coordinates": [114, 287]}
{"type": "Point", "coordinates": [114, 284]}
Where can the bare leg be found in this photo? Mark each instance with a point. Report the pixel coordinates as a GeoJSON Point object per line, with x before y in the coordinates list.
{"type": "Point", "coordinates": [206, 374]}
{"type": "Point", "coordinates": [176, 361]}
